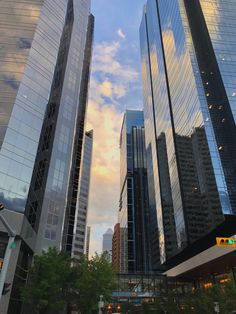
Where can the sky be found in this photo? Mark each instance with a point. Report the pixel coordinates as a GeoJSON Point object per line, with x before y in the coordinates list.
{"type": "Point", "coordinates": [115, 85]}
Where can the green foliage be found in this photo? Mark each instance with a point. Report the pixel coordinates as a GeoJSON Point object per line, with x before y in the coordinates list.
{"type": "Point", "coordinates": [202, 300]}
{"type": "Point", "coordinates": [51, 282]}
{"type": "Point", "coordinates": [54, 283]}
{"type": "Point", "coordinates": [96, 277]}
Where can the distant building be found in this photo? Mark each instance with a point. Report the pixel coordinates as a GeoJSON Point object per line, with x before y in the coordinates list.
{"type": "Point", "coordinates": [134, 206]}
{"type": "Point", "coordinates": [116, 248]}
{"type": "Point", "coordinates": [80, 225]}
{"type": "Point", "coordinates": [107, 242]}
{"type": "Point", "coordinates": [88, 235]}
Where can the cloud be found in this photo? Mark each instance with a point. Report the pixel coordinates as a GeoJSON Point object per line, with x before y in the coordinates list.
{"type": "Point", "coordinates": [104, 189]}
{"type": "Point", "coordinates": [110, 90]}
{"type": "Point", "coordinates": [105, 62]}
{"type": "Point", "coordinates": [120, 33]}
{"type": "Point", "coordinates": [119, 91]}
{"type": "Point", "coordinates": [106, 88]}
{"type": "Point", "coordinates": [112, 79]}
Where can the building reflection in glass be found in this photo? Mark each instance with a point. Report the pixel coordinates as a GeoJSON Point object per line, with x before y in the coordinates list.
{"type": "Point", "coordinates": [191, 117]}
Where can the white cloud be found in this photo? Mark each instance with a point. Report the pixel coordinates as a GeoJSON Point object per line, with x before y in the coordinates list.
{"type": "Point", "coordinates": [106, 88]}
{"type": "Point", "coordinates": [111, 79]}
{"type": "Point", "coordinates": [111, 90]}
{"type": "Point", "coordinates": [104, 190]}
{"type": "Point", "coordinates": [120, 33]}
{"type": "Point", "coordinates": [105, 61]}
{"type": "Point", "coordinates": [119, 91]}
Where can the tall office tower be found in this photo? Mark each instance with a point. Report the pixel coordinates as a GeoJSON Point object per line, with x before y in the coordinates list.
{"type": "Point", "coordinates": [134, 209]}
{"type": "Point", "coordinates": [43, 61]}
{"type": "Point", "coordinates": [189, 83]}
{"type": "Point", "coordinates": [81, 212]}
{"type": "Point", "coordinates": [88, 236]}
{"type": "Point", "coordinates": [107, 242]}
{"type": "Point", "coordinates": [79, 136]}
{"type": "Point", "coordinates": [116, 248]}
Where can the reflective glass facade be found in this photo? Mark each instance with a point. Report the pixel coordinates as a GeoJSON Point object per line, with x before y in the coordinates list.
{"type": "Point", "coordinates": [75, 175]}
{"type": "Point", "coordinates": [30, 47]}
{"type": "Point", "coordinates": [18, 24]}
{"type": "Point", "coordinates": [58, 179]}
{"type": "Point", "coordinates": [134, 209]}
{"type": "Point", "coordinates": [80, 225]}
{"type": "Point", "coordinates": [107, 241]}
{"type": "Point", "coordinates": [188, 120]}
{"type": "Point", "coordinates": [217, 15]}
{"type": "Point", "coordinates": [45, 65]}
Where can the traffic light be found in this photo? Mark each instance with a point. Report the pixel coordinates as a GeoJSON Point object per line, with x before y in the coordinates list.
{"type": "Point", "coordinates": [1, 206]}
{"type": "Point", "coordinates": [6, 288]}
{"type": "Point", "coordinates": [225, 242]}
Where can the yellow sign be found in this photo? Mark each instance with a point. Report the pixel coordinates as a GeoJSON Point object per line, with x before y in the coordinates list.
{"type": "Point", "coordinates": [226, 242]}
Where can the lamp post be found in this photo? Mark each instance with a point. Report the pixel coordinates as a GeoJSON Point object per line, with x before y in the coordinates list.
{"type": "Point", "coordinates": [216, 307]}
{"type": "Point", "coordinates": [100, 304]}
{"type": "Point", "coordinates": [9, 248]}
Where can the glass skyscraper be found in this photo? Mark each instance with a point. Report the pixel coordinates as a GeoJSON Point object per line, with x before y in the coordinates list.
{"type": "Point", "coordinates": [107, 243]}
{"type": "Point", "coordinates": [45, 62]}
{"type": "Point", "coordinates": [81, 213]}
{"type": "Point", "coordinates": [133, 208]}
{"type": "Point", "coordinates": [188, 54]}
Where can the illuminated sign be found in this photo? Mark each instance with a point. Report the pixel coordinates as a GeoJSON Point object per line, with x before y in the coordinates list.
{"type": "Point", "coordinates": [226, 242]}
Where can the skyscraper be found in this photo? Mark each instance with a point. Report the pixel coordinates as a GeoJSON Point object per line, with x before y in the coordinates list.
{"type": "Point", "coordinates": [87, 247]}
{"type": "Point", "coordinates": [189, 83]}
{"type": "Point", "coordinates": [81, 213]}
{"type": "Point", "coordinates": [43, 86]}
{"type": "Point", "coordinates": [134, 209]}
{"type": "Point", "coordinates": [107, 242]}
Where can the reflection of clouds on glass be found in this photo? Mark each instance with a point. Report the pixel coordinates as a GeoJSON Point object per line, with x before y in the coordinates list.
{"type": "Point", "coordinates": [24, 43]}
{"type": "Point", "coordinates": [10, 80]}
{"type": "Point", "coordinates": [222, 35]}
{"type": "Point", "coordinates": [28, 58]}
{"type": "Point", "coordinates": [211, 11]}
{"type": "Point", "coordinates": [16, 41]}
{"type": "Point", "coordinates": [184, 111]}
{"type": "Point", "coordinates": [13, 201]}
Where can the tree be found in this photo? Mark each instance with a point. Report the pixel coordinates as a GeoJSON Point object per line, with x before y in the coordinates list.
{"type": "Point", "coordinates": [52, 282]}
{"type": "Point", "coordinates": [202, 300]}
{"type": "Point", "coordinates": [96, 277]}
{"type": "Point", "coordinates": [56, 282]}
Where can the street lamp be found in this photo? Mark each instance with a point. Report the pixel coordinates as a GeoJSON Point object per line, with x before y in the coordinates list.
{"type": "Point", "coordinates": [100, 304]}
{"type": "Point", "coordinates": [10, 246]}
{"type": "Point", "coordinates": [216, 307]}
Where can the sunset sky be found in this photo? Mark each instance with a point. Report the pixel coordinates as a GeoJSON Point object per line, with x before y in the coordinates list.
{"type": "Point", "coordinates": [115, 86]}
